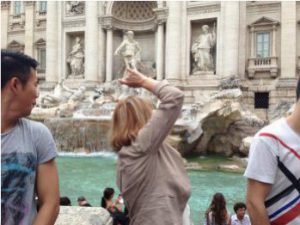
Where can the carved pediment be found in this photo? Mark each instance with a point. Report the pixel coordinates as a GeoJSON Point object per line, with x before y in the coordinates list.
{"type": "Point", "coordinates": [14, 45]}
{"type": "Point", "coordinates": [41, 41]}
{"type": "Point", "coordinates": [263, 21]}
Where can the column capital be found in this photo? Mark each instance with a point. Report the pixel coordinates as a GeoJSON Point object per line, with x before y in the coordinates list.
{"type": "Point", "coordinates": [5, 5]}
{"type": "Point", "coordinates": [161, 15]}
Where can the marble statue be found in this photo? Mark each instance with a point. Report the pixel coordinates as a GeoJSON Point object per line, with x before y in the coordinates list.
{"type": "Point", "coordinates": [78, 95]}
{"type": "Point", "coordinates": [74, 7]}
{"type": "Point", "coordinates": [201, 50]}
{"type": "Point", "coordinates": [76, 58]}
{"type": "Point", "coordinates": [130, 50]}
{"type": "Point", "coordinates": [60, 94]}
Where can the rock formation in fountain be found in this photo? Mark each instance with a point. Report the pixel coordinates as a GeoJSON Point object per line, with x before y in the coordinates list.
{"type": "Point", "coordinates": [219, 127]}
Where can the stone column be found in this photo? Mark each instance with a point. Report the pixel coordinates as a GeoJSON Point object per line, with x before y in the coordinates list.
{"type": "Point", "coordinates": [109, 54]}
{"type": "Point", "coordinates": [252, 50]}
{"type": "Point", "coordinates": [29, 27]}
{"type": "Point", "coordinates": [288, 39]}
{"type": "Point", "coordinates": [230, 15]}
{"type": "Point", "coordinates": [91, 41]}
{"type": "Point", "coordinates": [160, 51]}
{"type": "Point", "coordinates": [274, 41]}
{"type": "Point", "coordinates": [101, 47]}
{"type": "Point", "coordinates": [242, 40]}
{"type": "Point", "coordinates": [52, 42]}
{"type": "Point", "coordinates": [4, 23]}
{"type": "Point", "coordinates": [173, 40]}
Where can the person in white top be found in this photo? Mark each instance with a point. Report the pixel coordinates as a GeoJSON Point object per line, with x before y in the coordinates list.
{"type": "Point", "coordinates": [240, 217]}
{"type": "Point", "coordinates": [273, 172]}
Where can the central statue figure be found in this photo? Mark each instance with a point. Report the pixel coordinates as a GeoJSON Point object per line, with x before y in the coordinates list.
{"type": "Point", "coordinates": [130, 50]}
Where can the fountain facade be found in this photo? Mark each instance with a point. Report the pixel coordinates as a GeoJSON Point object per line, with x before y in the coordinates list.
{"type": "Point", "coordinates": [202, 47]}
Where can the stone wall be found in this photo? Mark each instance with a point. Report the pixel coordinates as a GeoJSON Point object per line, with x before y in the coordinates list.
{"type": "Point", "coordinates": [76, 215]}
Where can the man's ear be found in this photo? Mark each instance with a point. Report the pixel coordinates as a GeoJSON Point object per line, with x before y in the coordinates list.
{"type": "Point", "coordinates": [15, 85]}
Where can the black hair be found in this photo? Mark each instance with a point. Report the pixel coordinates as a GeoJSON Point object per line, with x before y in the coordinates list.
{"type": "Point", "coordinates": [298, 90]}
{"type": "Point", "coordinates": [65, 201]}
{"type": "Point", "coordinates": [218, 209]}
{"type": "Point", "coordinates": [15, 64]}
{"type": "Point", "coordinates": [107, 195]}
{"type": "Point", "coordinates": [239, 205]}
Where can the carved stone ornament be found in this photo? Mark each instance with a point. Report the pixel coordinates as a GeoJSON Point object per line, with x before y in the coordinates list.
{"type": "Point", "coordinates": [5, 4]}
{"type": "Point", "coordinates": [74, 8]}
{"type": "Point", "coordinates": [131, 15]}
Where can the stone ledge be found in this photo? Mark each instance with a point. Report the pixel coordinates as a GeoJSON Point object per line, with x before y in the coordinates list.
{"type": "Point", "coordinates": [76, 215]}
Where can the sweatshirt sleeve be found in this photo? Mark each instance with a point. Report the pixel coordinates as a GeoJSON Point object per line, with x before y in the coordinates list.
{"type": "Point", "coordinates": [152, 135]}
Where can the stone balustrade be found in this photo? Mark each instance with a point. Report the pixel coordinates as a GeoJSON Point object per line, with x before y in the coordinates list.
{"type": "Point", "coordinates": [17, 20]}
{"type": "Point", "coordinates": [267, 64]}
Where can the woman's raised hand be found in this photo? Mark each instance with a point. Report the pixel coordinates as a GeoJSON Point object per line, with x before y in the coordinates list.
{"type": "Point", "coordinates": [133, 78]}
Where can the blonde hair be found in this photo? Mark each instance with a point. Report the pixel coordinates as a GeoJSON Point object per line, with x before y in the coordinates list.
{"type": "Point", "coordinates": [129, 116]}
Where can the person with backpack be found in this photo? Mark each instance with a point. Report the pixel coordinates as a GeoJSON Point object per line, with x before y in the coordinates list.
{"type": "Point", "coordinates": [273, 172]}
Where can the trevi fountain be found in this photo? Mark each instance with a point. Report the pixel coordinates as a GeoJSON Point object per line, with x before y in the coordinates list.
{"type": "Point", "coordinates": [231, 59]}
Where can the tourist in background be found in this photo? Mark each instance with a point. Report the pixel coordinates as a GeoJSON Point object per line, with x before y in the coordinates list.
{"type": "Point", "coordinates": [115, 209]}
{"type": "Point", "coordinates": [65, 201]}
{"type": "Point", "coordinates": [28, 150]}
{"type": "Point", "coordinates": [83, 202]}
{"type": "Point", "coordinates": [273, 172]}
{"type": "Point", "coordinates": [217, 213]}
{"type": "Point", "coordinates": [150, 173]}
{"type": "Point", "coordinates": [240, 217]}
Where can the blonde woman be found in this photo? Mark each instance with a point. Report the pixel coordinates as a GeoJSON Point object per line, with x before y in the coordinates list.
{"type": "Point", "coordinates": [150, 173]}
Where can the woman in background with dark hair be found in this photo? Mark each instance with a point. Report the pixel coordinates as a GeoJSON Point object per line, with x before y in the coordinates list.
{"type": "Point", "coordinates": [115, 209]}
{"type": "Point", "coordinates": [217, 214]}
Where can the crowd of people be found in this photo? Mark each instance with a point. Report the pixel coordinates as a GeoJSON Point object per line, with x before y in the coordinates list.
{"type": "Point", "coordinates": [150, 173]}
{"type": "Point", "coordinates": [216, 214]}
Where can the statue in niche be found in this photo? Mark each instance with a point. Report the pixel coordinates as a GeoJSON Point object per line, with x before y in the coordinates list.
{"type": "Point", "coordinates": [74, 7]}
{"type": "Point", "coordinates": [76, 59]}
{"type": "Point", "coordinates": [130, 50]}
{"type": "Point", "coordinates": [201, 50]}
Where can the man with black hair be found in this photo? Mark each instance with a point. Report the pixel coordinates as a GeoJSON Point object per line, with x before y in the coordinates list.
{"type": "Point", "coordinates": [240, 217]}
{"type": "Point", "coordinates": [28, 150]}
{"type": "Point", "coordinates": [273, 172]}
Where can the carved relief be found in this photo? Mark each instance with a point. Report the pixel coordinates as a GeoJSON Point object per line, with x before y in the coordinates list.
{"type": "Point", "coordinates": [134, 10]}
{"type": "Point", "coordinates": [5, 4]}
{"type": "Point", "coordinates": [196, 9]}
{"type": "Point", "coordinates": [74, 8]}
{"type": "Point", "coordinates": [131, 15]}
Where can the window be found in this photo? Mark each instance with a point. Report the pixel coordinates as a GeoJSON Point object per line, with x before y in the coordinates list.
{"type": "Point", "coordinates": [42, 60]}
{"type": "Point", "coordinates": [262, 44]}
{"type": "Point", "coordinates": [17, 8]}
{"type": "Point", "coordinates": [261, 100]}
{"type": "Point", "coordinates": [43, 6]}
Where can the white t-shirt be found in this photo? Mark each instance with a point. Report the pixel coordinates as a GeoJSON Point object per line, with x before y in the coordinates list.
{"type": "Point", "coordinates": [236, 221]}
{"type": "Point", "coordinates": [277, 140]}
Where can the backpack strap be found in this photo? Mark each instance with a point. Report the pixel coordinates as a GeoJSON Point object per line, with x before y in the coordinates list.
{"type": "Point", "coordinates": [290, 176]}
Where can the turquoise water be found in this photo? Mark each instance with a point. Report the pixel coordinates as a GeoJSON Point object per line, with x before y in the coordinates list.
{"type": "Point", "coordinates": [89, 176]}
